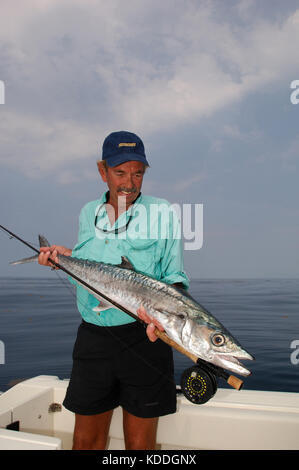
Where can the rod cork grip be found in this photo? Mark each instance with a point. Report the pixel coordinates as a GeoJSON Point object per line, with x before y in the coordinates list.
{"type": "Point", "coordinates": [163, 336]}
{"type": "Point", "coordinates": [235, 382]}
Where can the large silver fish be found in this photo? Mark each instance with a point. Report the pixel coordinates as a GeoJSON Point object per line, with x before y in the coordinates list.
{"type": "Point", "coordinates": [184, 320]}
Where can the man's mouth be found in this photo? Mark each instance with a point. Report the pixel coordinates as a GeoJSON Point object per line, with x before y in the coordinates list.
{"type": "Point", "coordinates": [125, 192]}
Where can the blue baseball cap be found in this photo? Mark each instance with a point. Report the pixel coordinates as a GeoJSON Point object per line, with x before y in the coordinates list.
{"type": "Point", "coordinates": [120, 147]}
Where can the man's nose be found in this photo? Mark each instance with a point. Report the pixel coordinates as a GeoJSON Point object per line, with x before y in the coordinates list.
{"type": "Point", "coordinates": [129, 182]}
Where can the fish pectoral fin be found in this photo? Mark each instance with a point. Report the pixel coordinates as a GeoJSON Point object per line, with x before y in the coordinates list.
{"type": "Point", "coordinates": [104, 305]}
{"type": "Point", "coordinates": [125, 263]}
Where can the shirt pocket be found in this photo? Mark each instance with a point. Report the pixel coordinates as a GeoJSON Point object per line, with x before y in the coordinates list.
{"type": "Point", "coordinates": [80, 249]}
{"type": "Point", "coordinates": [144, 255]}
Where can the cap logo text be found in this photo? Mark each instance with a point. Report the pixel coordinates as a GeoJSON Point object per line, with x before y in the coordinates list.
{"type": "Point", "coordinates": [127, 144]}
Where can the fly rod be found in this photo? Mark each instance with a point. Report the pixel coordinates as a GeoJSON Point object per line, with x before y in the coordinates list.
{"type": "Point", "coordinates": [218, 371]}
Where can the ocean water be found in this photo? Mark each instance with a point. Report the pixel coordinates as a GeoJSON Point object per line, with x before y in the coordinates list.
{"type": "Point", "coordinates": [39, 321]}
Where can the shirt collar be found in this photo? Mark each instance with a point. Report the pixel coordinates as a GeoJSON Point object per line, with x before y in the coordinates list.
{"type": "Point", "coordinates": [103, 214]}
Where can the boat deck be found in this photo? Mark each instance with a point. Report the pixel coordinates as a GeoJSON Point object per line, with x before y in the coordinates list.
{"type": "Point", "coordinates": [232, 419]}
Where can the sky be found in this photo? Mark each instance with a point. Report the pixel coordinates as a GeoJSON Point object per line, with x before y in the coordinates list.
{"type": "Point", "coordinates": [205, 84]}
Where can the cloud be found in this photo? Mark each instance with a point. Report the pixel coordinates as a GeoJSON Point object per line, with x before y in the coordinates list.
{"type": "Point", "coordinates": [76, 70]}
{"type": "Point", "coordinates": [187, 183]}
{"type": "Point", "coordinates": [232, 132]}
{"type": "Point", "coordinates": [37, 145]}
{"type": "Point", "coordinates": [290, 157]}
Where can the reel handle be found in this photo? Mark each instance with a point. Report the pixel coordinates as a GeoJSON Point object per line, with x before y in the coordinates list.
{"type": "Point", "coordinates": [233, 381]}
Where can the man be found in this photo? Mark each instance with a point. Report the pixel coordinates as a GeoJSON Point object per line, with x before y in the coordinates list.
{"type": "Point", "coordinates": [113, 361]}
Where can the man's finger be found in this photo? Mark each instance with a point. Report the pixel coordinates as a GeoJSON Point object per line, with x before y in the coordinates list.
{"type": "Point", "coordinates": [150, 331]}
{"type": "Point", "coordinates": [43, 259]}
{"type": "Point", "coordinates": [143, 315]}
{"type": "Point", "coordinates": [54, 258]}
{"type": "Point", "coordinates": [147, 319]}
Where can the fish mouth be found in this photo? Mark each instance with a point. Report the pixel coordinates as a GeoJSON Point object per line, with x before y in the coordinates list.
{"type": "Point", "coordinates": [232, 363]}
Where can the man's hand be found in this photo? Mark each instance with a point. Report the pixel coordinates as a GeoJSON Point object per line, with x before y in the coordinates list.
{"type": "Point", "coordinates": [152, 324]}
{"type": "Point", "coordinates": [51, 252]}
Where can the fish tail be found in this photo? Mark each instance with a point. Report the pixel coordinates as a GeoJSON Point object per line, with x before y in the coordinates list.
{"type": "Point", "coordinates": [42, 242]}
{"type": "Point", "coordinates": [25, 260]}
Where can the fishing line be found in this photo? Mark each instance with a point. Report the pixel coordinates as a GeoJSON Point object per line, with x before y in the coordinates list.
{"type": "Point", "coordinates": [13, 235]}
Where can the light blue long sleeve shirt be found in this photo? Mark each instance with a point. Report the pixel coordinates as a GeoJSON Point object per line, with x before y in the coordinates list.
{"type": "Point", "coordinates": [152, 243]}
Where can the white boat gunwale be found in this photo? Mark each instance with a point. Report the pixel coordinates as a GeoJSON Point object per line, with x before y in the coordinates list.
{"type": "Point", "coordinates": [245, 419]}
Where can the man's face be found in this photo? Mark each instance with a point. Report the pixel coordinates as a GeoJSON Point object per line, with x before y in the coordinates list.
{"type": "Point", "coordinates": [123, 181]}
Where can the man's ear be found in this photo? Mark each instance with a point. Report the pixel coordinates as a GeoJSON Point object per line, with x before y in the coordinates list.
{"type": "Point", "coordinates": [102, 170]}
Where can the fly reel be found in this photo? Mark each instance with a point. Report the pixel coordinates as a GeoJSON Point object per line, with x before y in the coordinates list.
{"type": "Point", "coordinates": [198, 385]}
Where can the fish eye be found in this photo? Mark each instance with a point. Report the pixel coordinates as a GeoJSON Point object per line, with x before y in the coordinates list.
{"type": "Point", "coordinates": [218, 339]}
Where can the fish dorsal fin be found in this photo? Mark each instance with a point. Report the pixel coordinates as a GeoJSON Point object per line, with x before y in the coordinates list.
{"type": "Point", "coordinates": [43, 241]}
{"type": "Point", "coordinates": [125, 263]}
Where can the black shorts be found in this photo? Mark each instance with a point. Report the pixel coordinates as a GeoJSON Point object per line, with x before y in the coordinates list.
{"type": "Point", "coordinates": [119, 366]}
